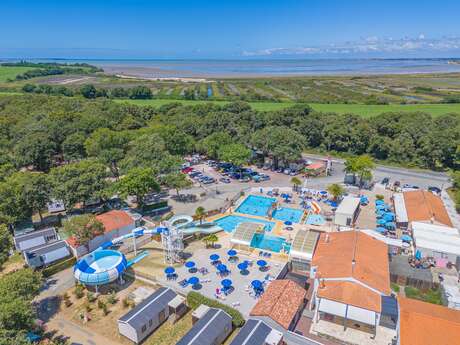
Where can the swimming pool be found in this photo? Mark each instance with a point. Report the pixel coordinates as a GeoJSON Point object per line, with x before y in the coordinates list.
{"type": "Point", "coordinates": [230, 222]}
{"type": "Point", "coordinates": [272, 243]}
{"type": "Point", "coordinates": [256, 205]}
{"type": "Point", "coordinates": [288, 214]}
{"type": "Point", "coordinates": [315, 219]}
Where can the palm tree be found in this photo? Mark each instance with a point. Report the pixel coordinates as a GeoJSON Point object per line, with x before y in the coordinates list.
{"type": "Point", "coordinates": [295, 183]}
{"type": "Point", "coordinates": [213, 239]}
{"type": "Point", "coordinates": [200, 213]}
{"type": "Point", "coordinates": [335, 190]}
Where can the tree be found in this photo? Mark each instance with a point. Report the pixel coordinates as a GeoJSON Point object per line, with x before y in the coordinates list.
{"type": "Point", "coordinates": [24, 284]}
{"type": "Point", "coordinates": [212, 239]}
{"type": "Point", "coordinates": [296, 182]}
{"type": "Point", "coordinates": [78, 182]}
{"type": "Point", "coordinates": [361, 166]}
{"type": "Point", "coordinates": [37, 191]}
{"type": "Point", "coordinates": [108, 146]}
{"type": "Point", "coordinates": [13, 204]}
{"type": "Point", "coordinates": [336, 191]}
{"type": "Point", "coordinates": [213, 143]}
{"type": "Point", "coordinates": [88, 91]}
{"type": "Point", "coordinates": [200, 213]}
{"type": "Point", "coordinates": [177, 181]}
{"type": "Point", "coordinates": [83, 228]}
{"type": "Point", "coordinates": [73, 147]}
{"type": "Point", "coordinates": [140, 92]}
{"type": "Point", "coordinates": [36, 149]}
{"type": "Point", "coordinates": [6, 244]}
{"type": "Point", "coordinates": [236, 154]}
{"type": "Point", "coordinates": [138, 182]}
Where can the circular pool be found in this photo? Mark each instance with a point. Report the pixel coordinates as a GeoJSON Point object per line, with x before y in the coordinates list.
{"type": "Point", "coordinates": [100, 267]}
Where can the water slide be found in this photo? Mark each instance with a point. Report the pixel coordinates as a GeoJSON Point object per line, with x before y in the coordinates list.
{"type": "Point", "coordinates": [315, 207]}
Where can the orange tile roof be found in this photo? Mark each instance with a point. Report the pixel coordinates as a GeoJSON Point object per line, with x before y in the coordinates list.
{"type": "Point", "coordinates": [425, 206]}
{"type": "Point", "coordinates": [334, 255]}
{"type": "Point", "coordinates": [111, 220]}
{"type": "Point", "coordinates": [281, 302]}
{"type": "Point", "coordinates": [316, 166]}
{"type": "Point", "coordinates": [424, 323]}
{"type": "Point", "coordinates": [350, 293]}
{"type": "Point", "coordinates": [114, 220]}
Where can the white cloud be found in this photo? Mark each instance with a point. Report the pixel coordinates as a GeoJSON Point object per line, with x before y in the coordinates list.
{"type": "Point", "coordinates": [372, 44]}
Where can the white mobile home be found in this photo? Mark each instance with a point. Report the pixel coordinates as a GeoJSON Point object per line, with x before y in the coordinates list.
{"type": "Point", "coordinates": [35, 239]}
{"type": "Point", "coordinates": [348, 210]}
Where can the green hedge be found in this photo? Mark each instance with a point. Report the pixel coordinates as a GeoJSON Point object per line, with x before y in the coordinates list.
{"type": "Point", "coordinates": [195, 299]}
{"type": "Point", "coordinates": [60, 266]}
{"type": "Point", "coordinates": [155, 206]}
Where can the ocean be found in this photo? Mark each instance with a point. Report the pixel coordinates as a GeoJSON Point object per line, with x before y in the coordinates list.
{"type": "Point", "coordinates": [267, 67]}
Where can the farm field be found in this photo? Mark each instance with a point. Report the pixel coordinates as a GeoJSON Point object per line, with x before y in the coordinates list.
{"type": "Point", "coordinates": [11, 72]}
{"type": "Point", "coordinates": [359, 109]}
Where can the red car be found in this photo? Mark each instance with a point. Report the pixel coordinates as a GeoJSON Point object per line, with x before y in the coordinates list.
{"type": "Point", "coordinates": [187, 170]}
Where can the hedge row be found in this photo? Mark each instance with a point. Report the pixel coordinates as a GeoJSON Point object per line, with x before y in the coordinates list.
{"type": "Point", "coordinates": [195, 299]}
{"type": "Point", "coordinates": [60, 266]}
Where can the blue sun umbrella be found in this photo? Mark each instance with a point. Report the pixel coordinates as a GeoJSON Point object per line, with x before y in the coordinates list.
{"type": "Point", "coordinates": [214, 257]}
{"type": "Point", "coordinates": [232, 252]}
{"type": "Point", "coordinates": [379, 202]}
{"type": "Point", "coordinates": [406, 238]}
{"type": "Point", "coordinates": [381, 230]}
{"type": "Point", "coordinates": [388, 217]}
{"type": "Point", "coordinates": [193, 281]}
{"type": "Point", "coordinates": [390, 225]}
{"type": "Point", "coordinates": [418, 254]}
{"type": "Point", "coordinates": [226, 283]}
{"type": "Point", "coordinates": [256, 284]}
{"type": "Point", "coordinates": [261, 263]}
{"type": "Point", "coordinates": [190, 264]}
{"type": "Point", "coordinates": [288, 222]}
{"type": "Point", "coordinates": [242, 266]}
{"type": "Point", "coordinates": [380, 207]}
{"type": "Point", "coordinates": [379, 214]}
{"type": "Point", "coordinates": [221, 267]}
{"type": "Point", "coordinates": [381, 221]}
{"type": "Point", "coordinates": [169, 270]}
{"type": "Point", "coordinates": [323, 192]}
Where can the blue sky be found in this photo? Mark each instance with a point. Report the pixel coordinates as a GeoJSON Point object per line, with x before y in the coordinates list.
{"type": "Point", "coordinates": [229, 28]}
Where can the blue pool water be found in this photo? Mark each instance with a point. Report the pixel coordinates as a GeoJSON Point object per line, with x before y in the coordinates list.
{"type": "Point", "coordinates": [229, 223]}
{"type": "Point", "coordinates": [315, 219]}
{"type": "Point", "coordinates": [285, 213]}
{"type": "Point", "coordinates": [256, 205]}
{"type": "Point", "coordinates": [267, 242]}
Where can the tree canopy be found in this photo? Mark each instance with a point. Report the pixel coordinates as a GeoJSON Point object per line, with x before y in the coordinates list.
{"type": "Point", "coordinates": [83, 228]}
{"type": "Point", "coordinates": [138, 182]}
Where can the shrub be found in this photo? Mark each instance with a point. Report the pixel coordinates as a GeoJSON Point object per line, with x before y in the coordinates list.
{"type": "Point", "coordinates": [90, 297]}
{"type": "Point", "coordinates": [78, 291]}
{"type": "Point", "coordinates": [379, 197]}
{"type": "Point", "coordinates": [195, 299]}
{"type": "Point", "coordinates": [125, 302]}
{"type": "Point", "coordinates": [100, 304]}
{"type": "Point", "coordinates": [88, 307]}
{"type": "Point", "coordinates": [66, 299]}
{"type": "Point", "coordinates": [58, 267]}
{"type": "Point", "coordinates": [105, 310]}
{"type": "Point", "coordinates": [112, 298]}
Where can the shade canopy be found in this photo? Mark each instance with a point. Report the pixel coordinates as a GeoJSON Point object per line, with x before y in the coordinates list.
{"type": "Point", "coordinates": [390, 225]}
{"type": "Point", "coordinates": [256, 284]}
{"type": "Point", "coordinates": [169, 270]}
{"type": "Point", "coordinates": [190, 264]}
{"type": "Point", "coordinates": [288, 222]}
{"type": "Point", "coordinates": [381, 221]}
{"type": "Point", "coordinates": [226, 283]}
{"type": "Point", "coordinates": [406, 238]}
{"type": "Point", "coordinates": [232, 252]}
{"type": "Point", "coordinates": [323, 192]}
{"type": "Point", "coordinates": [243, 266]}
{"type": "Point", "coordinates": [261, 263]}
{"type": "Point", "coordinates": [214, 257]}
{"type": "Point", "coordinates": [221, 267]}
{"type": "Point", "coordinates": [379, 202]}
{"type": "Point", "coordinates": [193, 280]}
{"type": "Point", "coordinates": [380, 229]}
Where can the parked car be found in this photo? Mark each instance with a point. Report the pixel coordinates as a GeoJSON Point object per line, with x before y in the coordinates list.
{"type": "Point", "coordinates": [193, 173]}
{"type": "Point", "coordinates": [434, 190]}
{"type": "Point", "coordinates": [266, 167]}
{"type": "Point", "coordinates": [245, 179]}
{"type": "Point", "coordinates": [385, 181]}
{"type": "Point", "coordinates": [264, 177]}
{"type": "Point", "coordinates": [187, 170]}
{"type": "Point", "coordinates": [208, 180]}
{"type": "Point", "coordinates": [409, 186]}
{"type": "Point", "coordinates": [294, 172]}
{"type": "Point", "coordinates": [279, 170]}
{"type": "Point", "coordinates": [225, 180]}
{"type": "Point", "coordinates": [259, 165]}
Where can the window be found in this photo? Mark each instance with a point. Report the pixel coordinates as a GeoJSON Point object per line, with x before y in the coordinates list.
{"type": "Point", "coordinates": [150, 323]}
{"type": "Point", "coordinates": [144, 328]}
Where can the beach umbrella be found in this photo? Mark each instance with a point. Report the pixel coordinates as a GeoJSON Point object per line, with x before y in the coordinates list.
{"type": "Point", "coordinates": [381, 230]}
{"type": "Point", "coordinates": [226, 283]}
{"type": "Point", "coordinates": [388, 217]}
{"type": "Point", "coordinates": [323, 192]}
{"type": "Point", "coordinates": [261, 263]}
{"type": "Point", "coordinates": [256, 284]}
{"type": "Point", "coordinates": [190, 264]}
{"type": "Point", "coordinates": [243, 266]}
{"type": "Point", "coordinates": [364, 200]}
{"type": "Point", "coordinates": [418, 254]}
{"type": "Point", "coordinates": [380, 207]}
{"type": "Point", "coordinates": [406, 238]}
{"type": "Point", "coordinates": [214, 257]}
{"type": "Point", "coordinates": [379, 202]}
{"type": "Point", "coordinates": [232, 252]}
{"type": "Point", "coordinates": [169, 270]}
{"type": "Point", "coordinates": [334, 204]}
{"type": "Point", "coordinates": [193, 281]}
{"type": "Point", "coordinates": [381, 221]}
{"type": "Point", "coordinates": [221, 267]}
{"type": "Point", "coordinates": [390, 225]}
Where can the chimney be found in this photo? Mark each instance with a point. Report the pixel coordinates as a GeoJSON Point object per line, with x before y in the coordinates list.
{"type": "Point", "coordinates": [353, 262]}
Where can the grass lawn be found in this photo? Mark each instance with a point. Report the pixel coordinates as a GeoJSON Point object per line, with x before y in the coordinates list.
{"type": "Point", "coordinates": [11, 72]}
{"type": "Point", "coordinates": [169, 333]}
{"type": "Point", "coordinates": [360, 109]}
{"type": "Point", "coordinates": [430, 296]}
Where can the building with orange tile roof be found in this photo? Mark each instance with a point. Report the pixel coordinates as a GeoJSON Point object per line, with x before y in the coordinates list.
{"type": "Point", "coordinates": [424, 206]}
{"type": "Point", "coordinates": [422, 323]}
{"type": "Point", "coordinates": [283, 302]}
{"type": "Point", "coordinates": [116, 223]}
{"type": "Point", "coordinates": [351, 279]}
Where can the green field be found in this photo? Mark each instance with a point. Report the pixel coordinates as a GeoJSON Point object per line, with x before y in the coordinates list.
{"type": "Point", "coordinates": [11, 72]}
{"type": "Point", "coordinates": [360, 109]}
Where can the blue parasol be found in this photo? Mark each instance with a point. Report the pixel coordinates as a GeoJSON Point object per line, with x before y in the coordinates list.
{"type": "Point", "coordinates": [232, 252]}
{"type": "Point", "coordinates": [256, 284]}
{"type": "Point", "coordinates": [261, 263]}
{"type": "Point", "coordinates": [388, 217]}
{"type": "Point", "coordinates": [381, 221]}
{"type": "Point", "coordinates": [406, 238]}
{"type": "Point", "coordinates": [288, 222]}
{"type": "Point", "coordinates": [169, 270]}
{"type": "Point", "coordinates": [390, 225]}
{"type": "Point", "coordinates": [381, 230]}
{"type": "Point", "coordinates": [243, 266]}
{"type": "Point", "coordinates": [193, 281]}
{"type": "Point", "coordinates": [221, 267]}
{"type": "Point", "coordinates": [190, 264]}
{"type": "Point", "coordinates": [226, 283]}
{"type": "Point", "coordinates": [214, 257]}
{"type": "Point", "coordinates": [379, 202]}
